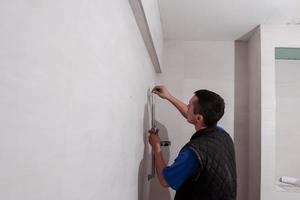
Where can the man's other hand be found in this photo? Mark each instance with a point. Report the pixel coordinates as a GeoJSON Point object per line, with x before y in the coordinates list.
{"type": "Point", "coordinates": [154, 140]}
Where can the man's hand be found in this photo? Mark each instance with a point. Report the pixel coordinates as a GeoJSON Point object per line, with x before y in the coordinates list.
{"type": "Point", "coordinates": [154, 140]}
{"type": "Point", "coordinates": [160, 164]}
{"type": "Point", "coordinates": [161, 91]}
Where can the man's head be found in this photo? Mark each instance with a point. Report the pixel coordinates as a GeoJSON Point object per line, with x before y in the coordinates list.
{"type": "Point", "coordinates": [205, 108]}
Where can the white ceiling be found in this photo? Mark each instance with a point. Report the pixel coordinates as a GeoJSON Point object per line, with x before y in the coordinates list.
{"type": "Point", "coordinates": [223, 19]}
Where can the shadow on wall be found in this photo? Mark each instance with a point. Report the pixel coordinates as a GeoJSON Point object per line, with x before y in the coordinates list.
{"type": "Point", "coordinates": [151, 189]}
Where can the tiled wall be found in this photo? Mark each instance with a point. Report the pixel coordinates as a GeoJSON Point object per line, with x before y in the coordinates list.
{"type": "Point", "coordinates": [271, 37]}
{"type": "Point", "coordinates": [263, 157]}
{"type": "Point", "coordinates": [287, 118]}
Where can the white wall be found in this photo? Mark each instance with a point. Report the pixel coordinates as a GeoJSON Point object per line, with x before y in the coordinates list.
{"type": "Point", "coordinates": [271, 37]}
{"type": "Point", "coordinates": [189, 66]}
{"type": "Point", "coordinates": [255, 88]}
{"type": "Point", "coordinates": [241, 117]}
{"type": "Point", "coordinates": [254, 77]}
{"type": "Point", "coordinates": [247, 116]}
{"type": "Point", "coordinates": [74, 77]}
{"type": "Point", "coordinates": [152, 13]}
{"type": "Point", "coordinates": [287, 118]}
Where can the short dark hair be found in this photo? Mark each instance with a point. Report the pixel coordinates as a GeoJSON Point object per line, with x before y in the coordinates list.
{"type": "Point", "coordinates": [210, 105]}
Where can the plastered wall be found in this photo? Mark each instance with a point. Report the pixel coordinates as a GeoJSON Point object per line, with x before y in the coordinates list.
{"type": "Point", "coordinates": [254, 123]}
{"type": "Point", "coordinates": [248, 115]}
{"type": "Point", "coordinates": [241, 114]}
{"type": "Point", "coordinates": [73, 84]}
{"type": "Point", "coordinates": [152, 12]}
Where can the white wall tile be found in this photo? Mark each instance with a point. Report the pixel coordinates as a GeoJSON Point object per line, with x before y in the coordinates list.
{"type": "Point", "coordinates": [272, 36]}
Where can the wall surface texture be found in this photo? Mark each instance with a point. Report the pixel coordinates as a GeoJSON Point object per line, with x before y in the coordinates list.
{"type": "Point", "coordinates": [267, 148]}
{"type": "Point", "coordinates": [73, 84]}
{"type": "Point", "coordinates": [152, 13]}
{"type": "Point", "coordinates": [254, 123]}
{"type": "Point", "coordinates": [241, 117]}
{"type": "Point", "coordinates": [189, 66]}
{"type": "Point", "coordinates": [247, 116]}
{"type": "Point", "coordinates": [287, 118]}
{"type": "Point", "coordinates": [271, 37]}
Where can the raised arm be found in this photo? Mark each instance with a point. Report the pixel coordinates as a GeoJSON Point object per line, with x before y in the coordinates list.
{"type": "Point", "coordinates": [162, 91]}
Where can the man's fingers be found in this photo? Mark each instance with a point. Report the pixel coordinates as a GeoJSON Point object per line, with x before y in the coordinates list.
{"type": "Point", "coordinates": [157, 88]}
{"type": "Point", "coordinates": [156, 91]}
{"type": "Point", "coordinates": [153, 131]}
{"type": "Point", "coordinates": [159, 93]}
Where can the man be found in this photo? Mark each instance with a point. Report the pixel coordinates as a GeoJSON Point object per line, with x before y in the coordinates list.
{"type": "Point", "coordinates": [205, 167]}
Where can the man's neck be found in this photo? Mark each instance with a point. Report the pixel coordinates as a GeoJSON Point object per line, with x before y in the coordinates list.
{"type": "Point", "coordinates": [199, 127]}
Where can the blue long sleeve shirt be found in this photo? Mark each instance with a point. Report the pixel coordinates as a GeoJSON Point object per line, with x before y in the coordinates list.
{"type": "Point", "coordinates": [185, 165]}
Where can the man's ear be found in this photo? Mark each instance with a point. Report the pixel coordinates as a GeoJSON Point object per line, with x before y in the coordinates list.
{"type": "Point", "coordinates": [199, 118]}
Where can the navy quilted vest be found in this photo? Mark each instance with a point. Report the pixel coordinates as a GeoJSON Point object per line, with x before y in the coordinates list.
{"type": "Point", "coordinates": [217, 178]}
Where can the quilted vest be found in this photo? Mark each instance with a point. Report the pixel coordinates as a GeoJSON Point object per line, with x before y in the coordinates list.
{"type": "Point", "coordinates": [217, 178]}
